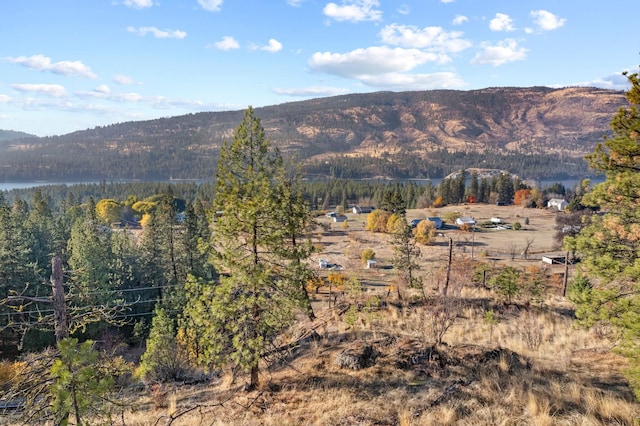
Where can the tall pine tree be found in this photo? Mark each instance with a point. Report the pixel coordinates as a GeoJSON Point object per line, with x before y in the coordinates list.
{"type": "Point", "coordinates": [257, 250]}
{"type": "Point", "coordinates": [610, 245]}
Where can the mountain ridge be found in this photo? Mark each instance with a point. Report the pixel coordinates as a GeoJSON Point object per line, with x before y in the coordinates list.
{"type": "Point", "coordinates": [393, 134]}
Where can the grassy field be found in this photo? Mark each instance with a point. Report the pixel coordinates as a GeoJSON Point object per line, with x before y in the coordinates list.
{"type": "Point", "coordinates": [526, 364]}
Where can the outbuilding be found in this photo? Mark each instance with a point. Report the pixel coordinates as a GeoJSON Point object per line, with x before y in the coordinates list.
{"type": "Point", "coordinates": [557, 204]}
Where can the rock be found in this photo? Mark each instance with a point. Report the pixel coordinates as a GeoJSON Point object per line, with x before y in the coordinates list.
{"type": "Point", "coordinates": [357, 357]}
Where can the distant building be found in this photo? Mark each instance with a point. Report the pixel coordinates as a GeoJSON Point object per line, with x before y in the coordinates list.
{"type": "Point", "coordinates": [465, 220]}
{"type": "Point", "coordinates": [557, 204]}
{"type": "Point", "coordinates": [362, 210]}
{"type": "Point", "coordinates": [437, 221]}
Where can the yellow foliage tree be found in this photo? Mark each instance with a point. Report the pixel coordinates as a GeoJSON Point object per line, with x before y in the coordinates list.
{"type": "Point", "coordinates": [377, 221]}
{"type": "Point", "coordinates": [425, 232]}
{"type": "Point", "coordinates": [144, 206]}
{"type": "Point", "coordinates": [109, 210]}
{"type": "Point", "coordinates": [394, 223]}
{"type": "Point", "coordinates": [367, 254]}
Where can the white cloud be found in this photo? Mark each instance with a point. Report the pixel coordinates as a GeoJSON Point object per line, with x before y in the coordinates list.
{"type": "Point", "coordinates": [4, 99]}
{"type": "Point", "coordinates": [615, 81]}
{"type": "Point", "coordinates": [447, 1]}
{"type": "Point", "coordinates": [354, 10]}
{"type": "Point", "coordinates": [273, 46]}
{"type": "Point", "coordinates": [52, 90]}
{"type": "Point", "coordinates": [227, 43]}
{"type": "Point", "coordinates": [400, 81]}
{"type": "Point", "coordinates": [43, 63]}
{"type": "Point", "coordinates": [459, 19]}
{"type": "Point", "coordinates": [157, 33]}
{"type": "Point", "coordinates": [429, 37]}
{"type": "Point", "coordinates": [404, 9]}
{"type": "Point", "coordinates": [103, 88]}
{"type": "Point", "coordinates": [210, 5]}
{"type": "Point", "coordinates": [312, 91]}
{"type": "Point", "coordinates": [547, 21]}
{"type": "Point", "coordinates": [123, 80]}
{"type": "Point", "coordinates": [500, 53]}
{"type": "Point", "coordinates": [138, 4]}
{"type": "Point", "coordinates": [370, 61]}
{"type": "Point", "coordinates": [295, 3]}
{"type": "Point", "coordinates": [501, 22]}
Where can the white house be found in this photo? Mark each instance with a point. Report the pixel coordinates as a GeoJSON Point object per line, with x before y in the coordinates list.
{"type": "Point", "coordinates": [465, 220]}
{"type": "Point", "coordinates": [362, 210]}
{"type": "Point", "coordinates": [557, 203]}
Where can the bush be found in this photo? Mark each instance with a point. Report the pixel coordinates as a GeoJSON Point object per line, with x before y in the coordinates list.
{"type": "Point", "coordinates": [163, 360]}
{"type": "Point", "coordinates": [425, 232]}
{"type": "Point", "coordinates": [367, 254]}
{"type": "Point", "coordinates": [8, 371]}
{"type": "Point", "coordinates": [517, 226]}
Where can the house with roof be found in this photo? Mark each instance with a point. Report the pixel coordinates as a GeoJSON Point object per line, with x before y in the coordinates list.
{"type": "Point", "coordinates": [362, 209]}
{"type": "Point", "coordinates": [465, 220]}
{"type": "Point", "coordinates": [557, 204]}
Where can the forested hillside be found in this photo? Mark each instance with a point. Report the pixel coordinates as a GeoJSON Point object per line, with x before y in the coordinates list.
{"type": "Point", "coordinates": [534, 132]}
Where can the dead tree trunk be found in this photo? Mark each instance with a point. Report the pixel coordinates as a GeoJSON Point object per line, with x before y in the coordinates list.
{"type": "Point", "coordinates": [59, 308]}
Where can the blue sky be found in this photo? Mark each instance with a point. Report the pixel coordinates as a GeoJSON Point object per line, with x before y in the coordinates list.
{"type": "Point", "coordinates": [68, 65]}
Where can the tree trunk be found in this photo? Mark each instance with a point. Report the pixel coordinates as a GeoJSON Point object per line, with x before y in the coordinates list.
{"type": "Point", "coordinates": [59, 307]}
{"type": "Point", "coordinates": [448, 273]}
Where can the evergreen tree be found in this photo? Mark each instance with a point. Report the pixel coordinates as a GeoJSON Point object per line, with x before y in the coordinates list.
{"type": "Point", "coordinates": [609, 245]}
{"type": "Point", "coordinates": [257, 295]}
{"type": "Point", "coordinates": [406, 255]}
{"type": "Point", "coordinates": [78, 384]}
{"type": "Point", "coordinates": [474, 186]}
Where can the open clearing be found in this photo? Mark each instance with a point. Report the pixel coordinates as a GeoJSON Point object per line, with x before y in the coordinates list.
{"type": "Point", "coordinates": [342, 247]}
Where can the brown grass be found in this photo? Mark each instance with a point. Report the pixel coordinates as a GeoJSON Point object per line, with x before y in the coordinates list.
{"type": "Point", "coordinates": [537, 369]}
{"type": "Point", "coordinates": [571, 378]}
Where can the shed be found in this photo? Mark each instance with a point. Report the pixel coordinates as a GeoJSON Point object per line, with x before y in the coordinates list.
{"type": "Point", "coordinates": [465, 220]}
{"type": "Point", "coordinates": [371, 263]}
{"type": "Point", "coordinates": [554, 259]}
{"type": "Point", "coordinates": [339, 218]}
{"type": "Point", "coordinates": [557, 203]}
{"type": "Point", "coordinates": [362, 209]}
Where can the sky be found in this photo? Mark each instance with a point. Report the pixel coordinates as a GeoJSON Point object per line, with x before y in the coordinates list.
{"type": "Point", "coordinates": [68, 65]}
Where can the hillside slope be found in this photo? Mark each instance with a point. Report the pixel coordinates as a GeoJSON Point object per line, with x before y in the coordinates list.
{"type": "Point", "coordinates": [407, 134]}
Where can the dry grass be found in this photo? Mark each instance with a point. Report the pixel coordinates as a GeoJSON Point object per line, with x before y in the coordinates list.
{"type": "Point", "coordinates": [570, 378]}
{"type": "Point", "coordinates": [535, 368]}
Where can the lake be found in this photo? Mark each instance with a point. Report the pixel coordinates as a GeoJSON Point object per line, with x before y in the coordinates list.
{"type": "Point", "coordinates": [568, 183]}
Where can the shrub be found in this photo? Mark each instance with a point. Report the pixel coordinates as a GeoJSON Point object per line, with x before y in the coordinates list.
{"type": "Point", "coordinates": [367, 254]}
{"type": "Point", "coordinates": [163, 360]}
{"type": "Point", "coordinates": [517, 226]}
{"type": "Point", "coordinates": [425, 232]}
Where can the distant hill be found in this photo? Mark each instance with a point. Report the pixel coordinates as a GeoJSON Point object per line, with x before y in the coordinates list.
{"type": "Point", "coordinates": [9, 135]}
{"type": "Point", "coordinates": [534, 132]}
